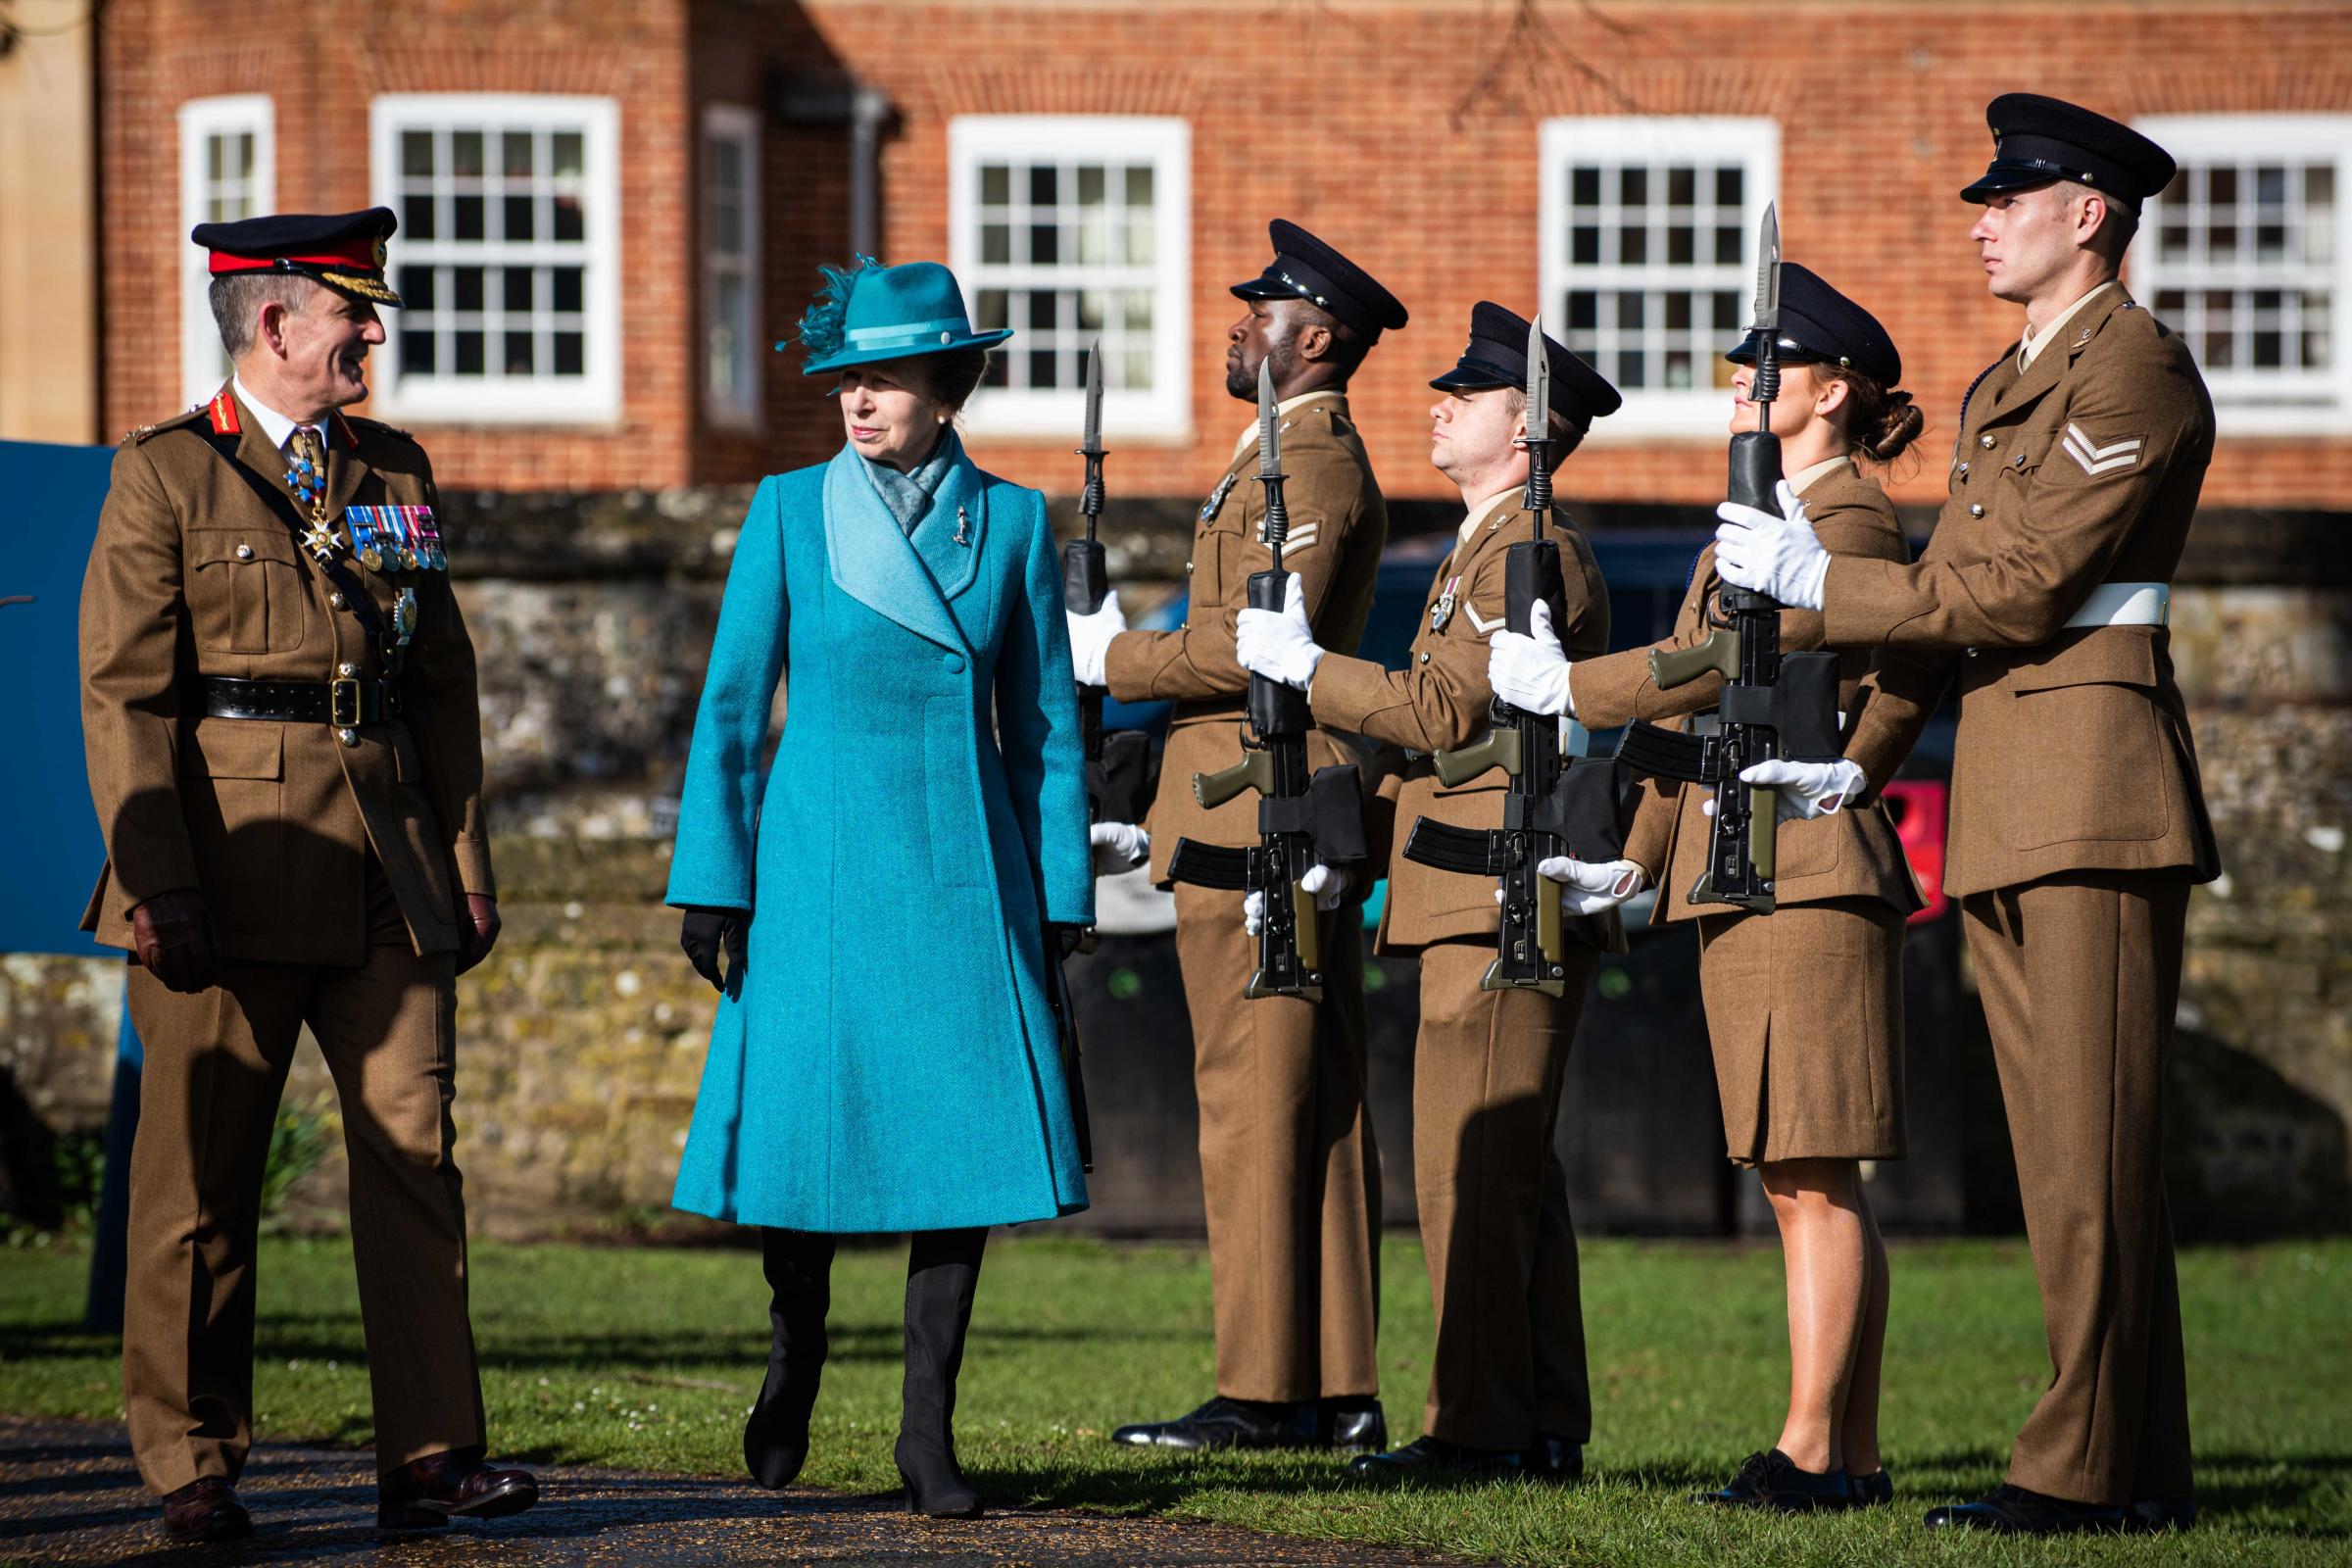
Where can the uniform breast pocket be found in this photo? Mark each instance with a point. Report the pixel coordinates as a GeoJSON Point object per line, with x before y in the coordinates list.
{"type": "Point", "coordinates": [245, 591]}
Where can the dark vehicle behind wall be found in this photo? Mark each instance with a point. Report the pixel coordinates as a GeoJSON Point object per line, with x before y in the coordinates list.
{"type": "Point", "coordinates": [1639, 1130]}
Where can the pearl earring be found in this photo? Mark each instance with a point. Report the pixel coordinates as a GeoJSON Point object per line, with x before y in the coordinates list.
{"type": "Point", "coordinates": [943, 418]}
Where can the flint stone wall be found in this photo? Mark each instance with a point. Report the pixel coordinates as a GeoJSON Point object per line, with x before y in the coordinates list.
{"type": "Point", "coordinates": [582, 1038]}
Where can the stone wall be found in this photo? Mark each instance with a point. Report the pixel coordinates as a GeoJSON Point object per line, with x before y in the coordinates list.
{"type": "Point", "coordinates": [582, 1037]}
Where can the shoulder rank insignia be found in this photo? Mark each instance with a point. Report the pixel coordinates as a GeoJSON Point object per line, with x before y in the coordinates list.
{"type": "Point", "coordinates": [222, 410]}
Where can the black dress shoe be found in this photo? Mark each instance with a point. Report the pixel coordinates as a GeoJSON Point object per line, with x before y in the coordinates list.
{"type": "Point", "coordinates": [1427, 1458]}
{"type": "Point", "coordinates": [2154, 1515]}
{"type": "Point", "coordinates": [1772, 1480]}
{"type": "Point", "coordinates": [206, 1510]}
{"type": "Point", "coordinates": [1224, 1423]}
{"type": "Point", "coordinates": [1559, 1460]}
{"type": "Point", "coordinates": [428, 1493]}
{"type": "Point", "coordinates": [1872, 1491]}
{"type": "Point", "coordinates": [1354, 1426]}
{"type": "Point", "coordinates": [2015, 1511]}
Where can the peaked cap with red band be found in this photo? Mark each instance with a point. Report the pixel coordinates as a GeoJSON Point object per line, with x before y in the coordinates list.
{"type": "Point", "coordinates": [345, 251]}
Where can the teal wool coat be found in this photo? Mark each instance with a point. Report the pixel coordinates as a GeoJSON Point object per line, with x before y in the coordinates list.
{"type": "Point", "coordinates": [890, 1061]}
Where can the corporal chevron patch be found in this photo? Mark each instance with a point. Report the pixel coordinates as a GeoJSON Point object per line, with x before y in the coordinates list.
{"type": "Point", "coordinates": [1301, 537]}
{"type": "Point", "coordinates": [2095, 458]}
{"type": "Point", "coordinates": [1480, 623]}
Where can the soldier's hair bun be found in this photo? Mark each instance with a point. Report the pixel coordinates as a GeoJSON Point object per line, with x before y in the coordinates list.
{"type": "Point", "coordinates": [1898, 424]}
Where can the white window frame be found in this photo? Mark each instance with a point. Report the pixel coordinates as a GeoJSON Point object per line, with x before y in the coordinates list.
{"type": "Point", "coordinates": [732, 122]}
{"type": "Point", "coordinates": [200, 119]}
{"type": "Point", "coordinates": [1701, 411]}
{"type": "Point", "coordinates": [1161, 417]}
{"type": "Point", "coordinates": [2244, 405]}
{"type": "Point", "coordinates": [592, 398]}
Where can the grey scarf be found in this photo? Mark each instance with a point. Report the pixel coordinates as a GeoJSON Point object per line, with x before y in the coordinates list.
{"type": "Point", "coordinates": [909, 495]}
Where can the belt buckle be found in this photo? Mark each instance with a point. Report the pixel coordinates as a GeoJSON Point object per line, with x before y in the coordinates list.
{"type": "Point", "coordinates": [343, 702]}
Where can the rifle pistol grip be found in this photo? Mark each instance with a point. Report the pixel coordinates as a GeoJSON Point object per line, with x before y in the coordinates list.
{"type": "Point", "coordinates": [1499, 748]}
{"type": "Point", "coordinates": [1719, 654]}
{"type": "Point", "coordinates": [1255, 771]}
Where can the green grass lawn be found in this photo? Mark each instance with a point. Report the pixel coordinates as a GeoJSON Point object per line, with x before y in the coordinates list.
{"type": "Point", "coordinates": [648, 1358]}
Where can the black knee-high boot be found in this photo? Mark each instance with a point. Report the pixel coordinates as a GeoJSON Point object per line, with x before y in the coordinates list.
{"type": "Point", "coordinates": [941, 1269]}
{"type": "Point", "coordinates": [800, 1278]}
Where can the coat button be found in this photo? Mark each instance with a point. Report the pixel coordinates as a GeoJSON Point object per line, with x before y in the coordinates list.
{"type": "Point", "coordinates": [1984, 441]}
{"type": "Point", "coordinates": [244, 552]}
{"type": "Point", "coordinates": [1188, 569]}
{"type": "Point", "coordinates": [349, 737]}
{"type": "Point", "coordinates": [2018, 460]}
{"type": "Point", "coordinates": [1976, 509]}
{"type": "Point", "coordinates": [335, 600]}
{"type": "Point", "coordinates": [1425, 658]}
{"type": "Point", "coordinates": [1964, 470]}
{"type": "Point", "coordinates": [953, 663]}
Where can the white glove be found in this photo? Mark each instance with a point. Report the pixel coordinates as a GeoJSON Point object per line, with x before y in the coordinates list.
{"type": "Point", "coordinates": [1530, 672]}
{"type": "Point", "coordinates": [1279, 644]}
{"type": "Point", "coordinates": [1591, 886]}
{"type": "Point", "coordinates": [1808, 790]}
{"type": "Point", "coordinates": [1118, 847]}
{"type": "Point", "coordinates": [1328, 883]}
{"type": "Point", "coordinates": [1090, 638]}
{"type": "Point", "coordinates": [1777, 555]}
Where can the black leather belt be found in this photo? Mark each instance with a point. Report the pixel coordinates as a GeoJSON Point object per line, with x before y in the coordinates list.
{"type": "Point", "coordinates": [342, 702]}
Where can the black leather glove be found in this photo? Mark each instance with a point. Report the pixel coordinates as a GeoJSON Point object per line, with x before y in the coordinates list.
{"type": "Point", "coordinates": [707, 933]}
{"type": "Point", "coordinates": [1065, 940]}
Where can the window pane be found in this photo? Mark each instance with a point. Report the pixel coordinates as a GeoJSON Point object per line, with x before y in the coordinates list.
{"type": "Point", "coordinates": [1583, 187]}
{"type": "Point", "coordinates": [1584, 309]}
{"type": "Point", "coordinates": [726, 227]}
{"type": "Point", "coordinates": [514, 154]}
{"type": "Point", "coordinates": [1729, 188]}
{"type": "Point", "coordinates": [1583, 246]}
{"type": "Point", "coordinates": [571, 354]}
{"type": "Point", "coordinates": [1041, 368]}
{"type": "Point", "coordinates": [518, 290]}
{"type": "Point", "coordinates": [1143, 243]}
{"type": "Point", "coordinates": [1044, 184]}
{"type": "Point", "coordinates": [991, 310]}
{"type": "Point", "coordinates": [1633, 245]}
{"type": "Point", "coordinates": [995, 243]}
{"type": "Point", "coordinates": [1726, 247]}
{"type": "Point", "coordinates": [469, 353]}
{"type": "Point", "coordinates": [466, 217]}
{"type": "Point", "coordinates": [1633, 186]}
{"type": "Point", "coordinates": [569, 156]}
{"type": "Point", "coordinates": [2221, 187]}
{"type": "Point", "coordinates": [1045, 244]}
{"type": "Point", "coordinates": [1633, 369]}
{"type": "Point", "coordinates": [516, 216]}
{"type": "Point", "coordinates": [465, 154]}
{"type": "Point", "coordinates": [1677, 312]}
{"type": "Point", "coordinates": [1629, 310]}
{"type": "Point", "coordinates": [1681, 247]}
{"type": "Point", "coordinates": [416, 352]}
{"type": "Point", "coordinates": [1682, 188]}
{"type": "Point", "coordinates": [417, 215]}
{"type": "Point", "coordinates": [996, 184]}
{"type": "Point", "coordinates": [466, 285]}
{"type": "Point", "coordinates": [416, 153]}
{"type": "Point", "coordinates": [1090, 192]}
{"type": "Point", "coordinates": [1136, 305]}
{"type": "Point", "coordinates": [1131, 369]}
{"type": "Point", "coordinates": [417, 288]}
{"type": "Point", "coordinates": [570, 225]}
{"type": "Point", "coordinates": [1138, 186]}
{"type": "Point", "coordinates": [566, 281]}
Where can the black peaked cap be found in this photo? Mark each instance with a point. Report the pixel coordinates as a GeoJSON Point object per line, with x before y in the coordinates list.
{"type": "Point", "coordinates": [345, 251]}
{"type": "Point", "coordinates": [1305, 269]}
{"type": "Point", "coordinates": [1498, 357]}
{"type": "Point", "coordinates": [2037, 139]}
{"type": "Point", "coordinates": [1819, 324]}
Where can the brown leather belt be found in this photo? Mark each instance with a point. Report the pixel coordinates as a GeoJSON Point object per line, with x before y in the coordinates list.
{"type": "Point", "coordinates": [341, 703]}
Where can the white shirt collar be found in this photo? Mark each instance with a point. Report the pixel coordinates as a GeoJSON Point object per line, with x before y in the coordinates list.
{"type": "Point", "coordinates": [1487, 511]}
{"type": "Point", "coordinates": [1248, 436]}
{"type": "Point", "coordinates": [2030, 342]}
{"type": "Point", "coordinates": [275, 425]}
{"type": "Point", "coordinates": [1804, 479]}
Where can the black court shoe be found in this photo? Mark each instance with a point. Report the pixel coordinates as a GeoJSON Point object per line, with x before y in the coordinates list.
{"type": "Point", "coordinates": [1772, 1480]}
{"type": "Point", "coordinates": [1352, 1426]}
{"type": "Point", "coordinates": [1224, 1423]}
{"type": "Point", "coordinates": [1434, 1460]}
{"type": "Point", "coordinates": [1872, 1491]}
{"type": "Point", "coordinates": [2015, 1511]}
{"type": "Point", "coordinates": [2158, 1514]}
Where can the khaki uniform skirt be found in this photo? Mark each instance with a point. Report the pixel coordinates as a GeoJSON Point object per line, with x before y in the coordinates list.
{"type": "Point", "coordinates": [1805, 1015]}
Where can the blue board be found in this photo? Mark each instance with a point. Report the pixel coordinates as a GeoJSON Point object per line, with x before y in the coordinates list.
{"type": "Point", "coordinates": [49, 497]}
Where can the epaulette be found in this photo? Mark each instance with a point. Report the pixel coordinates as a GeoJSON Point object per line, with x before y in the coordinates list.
{"type": "Point", "coordinates": [133, 437]}
{"type": "Point", "coordinates": [352, 421]}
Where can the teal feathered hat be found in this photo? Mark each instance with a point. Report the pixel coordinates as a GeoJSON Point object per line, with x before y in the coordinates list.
{"type": "Point", "coordinates": [872, 311]}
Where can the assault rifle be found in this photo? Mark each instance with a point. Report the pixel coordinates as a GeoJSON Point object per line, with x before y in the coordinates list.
{"type": "Point", "coordinates": [1553, 805]}
{"type": "Point", "coordinates": [1302, 818]}
{"type": "Point", "coordinates": [1773, 704]}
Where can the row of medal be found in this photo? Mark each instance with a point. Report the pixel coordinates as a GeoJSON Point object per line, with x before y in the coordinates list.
{"type": "Point", "coordinates": [396, 538]}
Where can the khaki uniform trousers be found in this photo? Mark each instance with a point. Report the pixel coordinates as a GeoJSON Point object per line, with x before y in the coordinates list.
{"type": "Point", "coordinates": [216, 1067]}
{"type": "Point", "coordinates": [2080, 975]}
{"type": "Point", "coordinates": [1288, 1167]}
{"type": "Point", "coordinates": [1493, 1199]}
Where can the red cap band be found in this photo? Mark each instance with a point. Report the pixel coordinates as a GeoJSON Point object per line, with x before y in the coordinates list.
{"type": "Point", "coordinates": [363, 253]}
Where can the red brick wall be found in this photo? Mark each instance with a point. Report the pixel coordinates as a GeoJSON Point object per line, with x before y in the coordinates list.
{"type": "Point", "coordinates": [323, 63]}
{"type": "Point", "coordinates": [1344, 117]}
{"type": "Point", "coordinates": [1405, 134]}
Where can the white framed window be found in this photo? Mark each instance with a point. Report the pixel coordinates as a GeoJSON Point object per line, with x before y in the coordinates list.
{"type": "Point", "coordinates": [1070, 230]}
{"type": "Point", "coordinates": [228, 171]}
{"type": "Point", "coordinates": [731, 266]}
{"type": "Point", "coordinates": [2249, 255]}
{"type": "Point", "coordinates": [1648, 255]}
{"type": "Point", "coordinates": [508, 255]}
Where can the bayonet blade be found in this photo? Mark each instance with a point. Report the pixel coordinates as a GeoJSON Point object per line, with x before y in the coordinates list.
{"type": "Point", "coordinates": [1269, 428]}
{"type": "Point", "coordinates": [1767, 272]}
{"type": "Point", "coordinates": [1093, 447]}
{"type": "Point", "coordinates": [1538, 381]}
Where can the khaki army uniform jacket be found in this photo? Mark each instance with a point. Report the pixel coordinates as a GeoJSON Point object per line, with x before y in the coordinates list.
{"type": "Point", "coordinates": [193, 574]}
{"type": "Point", "coordinates": [2073, 750]}
{"type": "Point", "coordinates": [1439, 701]}
{"type": "Point", "coordinates": [1850, 853]}
{"type": "Point", "coordinates": [1338, 524]}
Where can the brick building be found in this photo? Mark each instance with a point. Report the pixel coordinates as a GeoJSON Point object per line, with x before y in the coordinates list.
{"type": "Point", "coordinates": [612, 207]}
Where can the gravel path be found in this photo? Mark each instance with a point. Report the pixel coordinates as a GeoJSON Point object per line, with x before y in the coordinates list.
{"type": "Point", "coordinates": [69, 1494]}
